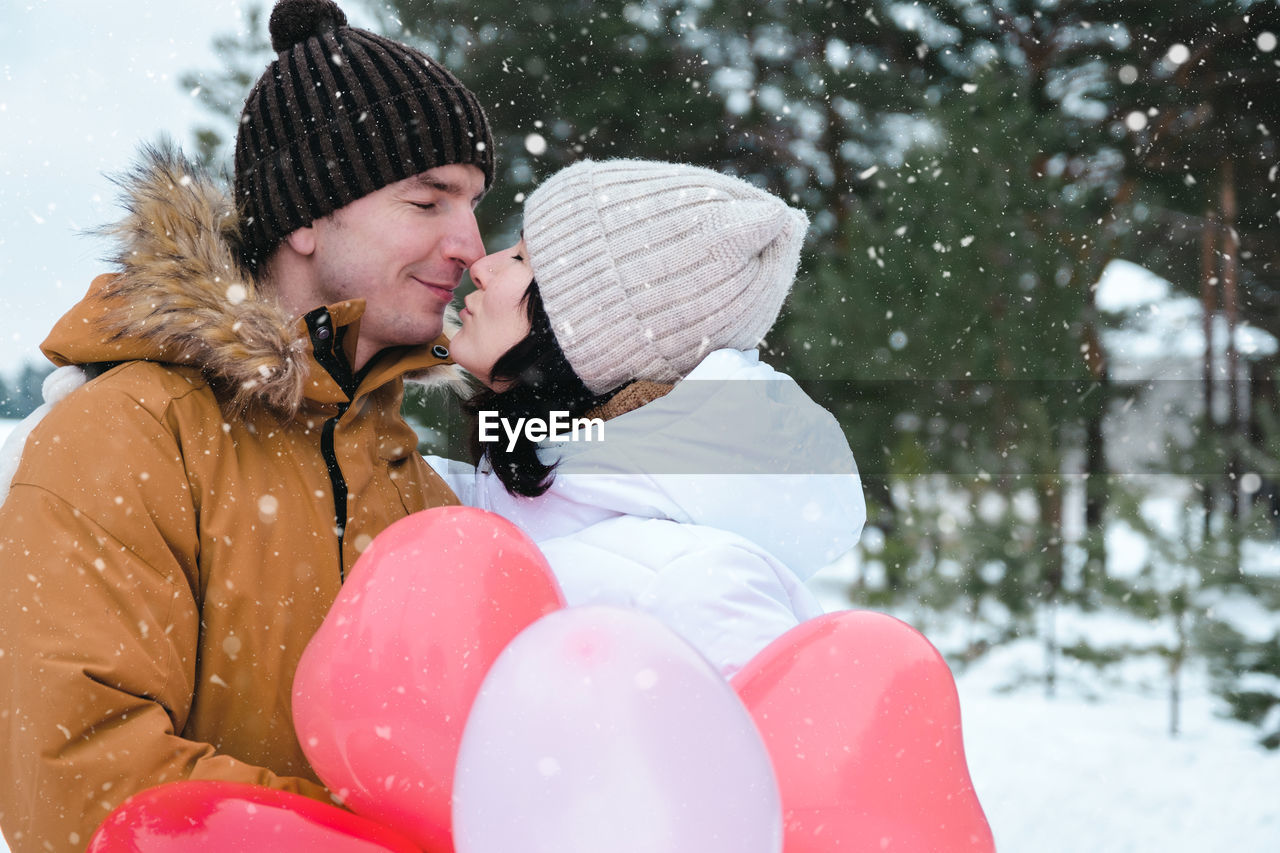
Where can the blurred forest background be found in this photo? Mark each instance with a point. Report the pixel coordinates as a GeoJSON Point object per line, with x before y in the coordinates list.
{"type": "Point", "coordinates": [971, 168]}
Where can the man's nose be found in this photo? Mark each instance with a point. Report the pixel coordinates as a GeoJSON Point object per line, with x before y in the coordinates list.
{"type": "Point", "coordinates": [463, 243]}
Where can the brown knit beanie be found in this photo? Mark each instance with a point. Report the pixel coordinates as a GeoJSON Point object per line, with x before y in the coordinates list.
{"type": "Point", "coordinates": [342, 112]}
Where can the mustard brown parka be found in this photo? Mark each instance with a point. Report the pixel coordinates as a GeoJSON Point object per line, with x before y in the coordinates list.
{"type": "Point", "coordinates": [179, 526]}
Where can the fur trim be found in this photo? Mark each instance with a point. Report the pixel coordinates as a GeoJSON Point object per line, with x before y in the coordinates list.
{"type": "Point", "coordinates": [445, 377]}
{"type": "Point", "coordinates": [184, 290]}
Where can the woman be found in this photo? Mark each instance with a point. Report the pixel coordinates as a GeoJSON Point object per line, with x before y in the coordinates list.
{"type": "Point", "coordinates": [710, 487]}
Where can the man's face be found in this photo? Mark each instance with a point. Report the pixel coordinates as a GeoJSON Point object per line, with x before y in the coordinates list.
{"type": "Point", "coordinates": [403, 250]}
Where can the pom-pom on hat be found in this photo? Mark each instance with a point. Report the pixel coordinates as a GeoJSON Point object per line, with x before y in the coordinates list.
{"type": "Point", "coordinates": [342, 112]}
{"type": "Point", "coordinates": [293, 21]}
{"type": "Point", "coordinates": [644, 267]}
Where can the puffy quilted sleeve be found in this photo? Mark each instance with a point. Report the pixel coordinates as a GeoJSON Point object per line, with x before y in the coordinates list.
{"type": "Point", "coordinates": [99, 624]}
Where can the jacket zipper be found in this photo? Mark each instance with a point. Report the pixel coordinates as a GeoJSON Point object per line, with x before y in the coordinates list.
{"type": "Point", "coordinates": [326, 344]}
{"type": "Point", "coordinates": [336, 480]}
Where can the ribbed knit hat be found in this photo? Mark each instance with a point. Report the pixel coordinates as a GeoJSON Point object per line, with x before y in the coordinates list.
{"type": "Point", "coordinates": [645, 267]}
{"type": "Point", "coordinates": [342, 112]}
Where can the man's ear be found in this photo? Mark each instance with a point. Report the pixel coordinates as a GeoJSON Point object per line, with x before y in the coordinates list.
{"type": "Point", "coordinates": [303, 240]}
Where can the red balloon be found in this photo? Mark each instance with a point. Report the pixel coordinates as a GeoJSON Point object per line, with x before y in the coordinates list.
{"type": "Point", "coordinates": [229, 817]}
{"type": "Point", "coordinates": [861, 718]}
{"type": "Point", "coordinates": [384, 688]}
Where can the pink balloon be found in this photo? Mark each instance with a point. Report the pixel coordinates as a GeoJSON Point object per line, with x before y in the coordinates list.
{"type": "Point", "coordinates": [229, 817]}
{"type": "Point", "coordinates": [862, 720]}
{"type": "Point", "coordinates": [599, 729]}
{"type": "Point", "coordinates": [383, 690]}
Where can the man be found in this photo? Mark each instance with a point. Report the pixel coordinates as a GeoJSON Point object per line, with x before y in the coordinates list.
{"type": "Point", "coordinates": [180, 525]}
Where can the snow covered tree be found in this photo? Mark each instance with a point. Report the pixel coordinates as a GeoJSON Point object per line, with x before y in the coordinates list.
{"type": "Point", "coordinates": [1194, 101]}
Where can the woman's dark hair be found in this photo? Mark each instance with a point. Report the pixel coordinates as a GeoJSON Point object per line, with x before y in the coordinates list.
{"type": "Point", "coordinates": [536, 380]}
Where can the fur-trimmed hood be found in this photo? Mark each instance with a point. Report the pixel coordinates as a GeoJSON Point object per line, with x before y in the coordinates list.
{"type": "Point", "coordinates": [183, 297]}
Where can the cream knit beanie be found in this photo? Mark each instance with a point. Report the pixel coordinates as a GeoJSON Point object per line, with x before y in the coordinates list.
{"type": "Point", "coordinates": [645, 267]}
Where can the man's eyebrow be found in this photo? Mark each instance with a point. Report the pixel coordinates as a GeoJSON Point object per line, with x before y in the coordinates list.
{"type": "Point", "coordinates": [446, 187]}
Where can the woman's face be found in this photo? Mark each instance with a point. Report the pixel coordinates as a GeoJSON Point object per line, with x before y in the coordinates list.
{"type": "Point", "coordinates": [495, 317]}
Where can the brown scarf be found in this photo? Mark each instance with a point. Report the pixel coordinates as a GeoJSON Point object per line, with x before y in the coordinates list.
{"type": "Point", "coordinates": [630, 398]}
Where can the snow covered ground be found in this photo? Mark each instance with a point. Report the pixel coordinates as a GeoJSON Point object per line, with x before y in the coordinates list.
{"type": "Point", "coordinates": [1094, 770]}
{"type": "Point", "coordinates": [1071, 775]}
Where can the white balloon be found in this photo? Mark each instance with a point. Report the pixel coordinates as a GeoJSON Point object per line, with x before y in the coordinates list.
{"type": "Point", "coordinates": [599, 729]}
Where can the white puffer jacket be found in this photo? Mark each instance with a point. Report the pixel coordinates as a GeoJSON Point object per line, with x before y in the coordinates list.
{"type": "Point", "coordinates": [57, 385]}
{"type": "Point", "coordinates": [707, 508]}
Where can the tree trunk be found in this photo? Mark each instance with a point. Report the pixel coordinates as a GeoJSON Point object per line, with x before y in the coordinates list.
{"type": "Point", "coordinates": [1050, 649]}
{"type": "Point", "coordinates": [1235, 420]}
{"type": "Point", "coordinates": [1096, 485]}
{"type": "Point", "coordinates": [1176, 659]}
{"type": "Point", "coordinates": [1052, 555]}
{"type": "Point", "coordinates": [1208, 308]}
{"type": "Point", "coordinates": [1230, 308]}
{"type": "Point", "coordinates": [1265, 397]}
